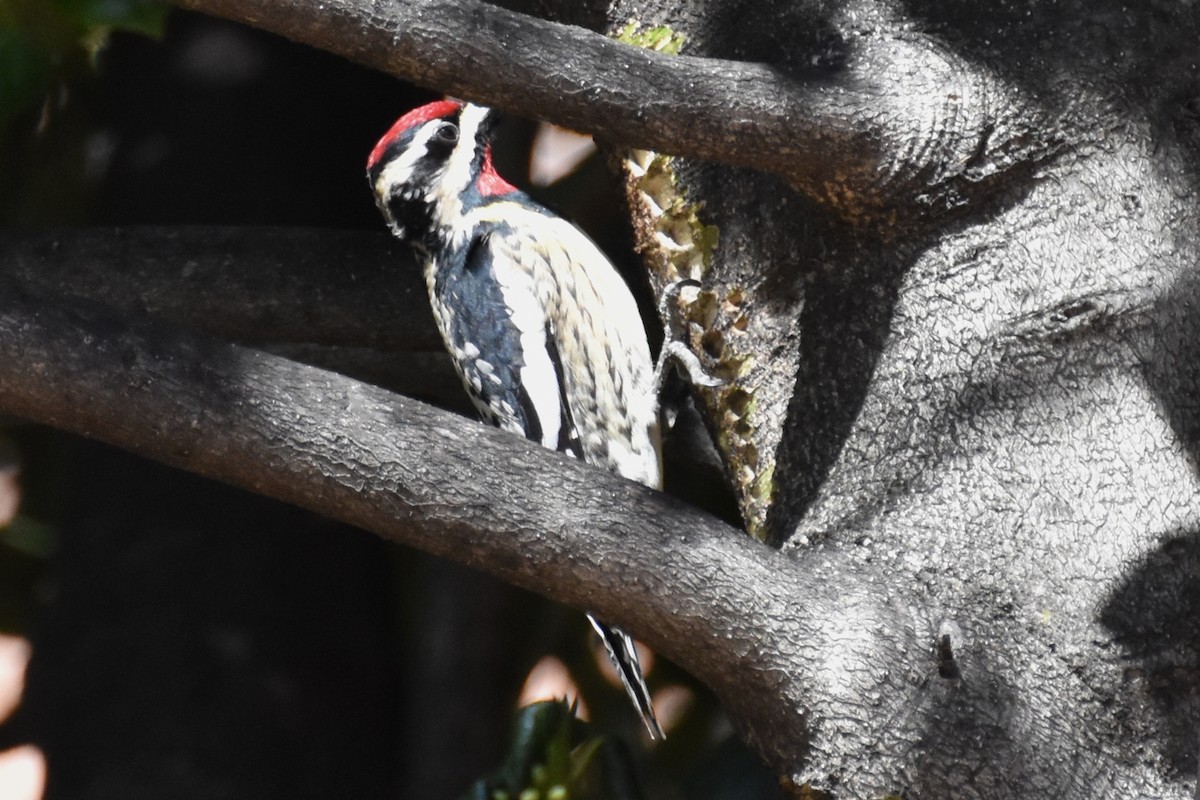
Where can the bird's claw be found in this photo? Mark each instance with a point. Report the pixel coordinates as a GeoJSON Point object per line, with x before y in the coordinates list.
{"type": "Point", "coordinates": [674, 351]}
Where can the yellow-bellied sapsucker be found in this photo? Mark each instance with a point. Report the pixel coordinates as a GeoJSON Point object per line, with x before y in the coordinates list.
{"type": "Point", "coordinates": [542, 330]}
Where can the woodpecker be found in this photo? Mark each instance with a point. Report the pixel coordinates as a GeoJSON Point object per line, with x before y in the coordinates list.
{"type": "Point", "coordinates": [543, 332]}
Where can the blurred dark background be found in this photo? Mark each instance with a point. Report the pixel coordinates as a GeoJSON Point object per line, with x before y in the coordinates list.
{"type": "Point", "coordinates": [192, 640]}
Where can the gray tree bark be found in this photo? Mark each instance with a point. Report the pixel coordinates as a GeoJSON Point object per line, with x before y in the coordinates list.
{"type": "Point", "coordinates": [953, 297]}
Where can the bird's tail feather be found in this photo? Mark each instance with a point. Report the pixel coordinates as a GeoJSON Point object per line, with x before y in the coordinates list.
{"type": "Point", "coordinates": [624, 657]}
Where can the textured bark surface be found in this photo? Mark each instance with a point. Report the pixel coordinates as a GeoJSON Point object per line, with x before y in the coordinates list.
{"type": "Point", "coordinates": [968, 284]}
{"type": "Point", "coordinates": [256, 286]}
{"type": "Point", "coordinates": [732, 610]}
{"type": "Point", "coordinates": [849, 142]}
{"type": "Point", "coordinates": [338, 299]}
{"type": "Point", "coordinates": [994, 409]}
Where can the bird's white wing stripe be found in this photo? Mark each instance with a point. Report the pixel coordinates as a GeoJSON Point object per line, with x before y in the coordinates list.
{"type": "Point", "coordinates": [538, 376]}
{"type": "Point", "coordinates": [584, 282]}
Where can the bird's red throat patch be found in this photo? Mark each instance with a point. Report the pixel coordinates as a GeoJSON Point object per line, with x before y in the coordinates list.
{"type": "Point", "coordinates": [489, 182]}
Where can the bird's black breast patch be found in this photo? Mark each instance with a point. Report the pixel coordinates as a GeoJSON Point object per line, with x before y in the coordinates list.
{"type": "Point", "coordinates": [485, 343]}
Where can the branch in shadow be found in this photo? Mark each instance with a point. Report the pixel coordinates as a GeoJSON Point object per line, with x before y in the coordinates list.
{"type": "Point", "coordinates": [897, 125]}
{"type": "Point", "coordinates": [765, 631]}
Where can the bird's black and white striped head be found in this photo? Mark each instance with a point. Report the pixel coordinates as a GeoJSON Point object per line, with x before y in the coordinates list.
{"type": "Point", "coordinates": [430, 166]}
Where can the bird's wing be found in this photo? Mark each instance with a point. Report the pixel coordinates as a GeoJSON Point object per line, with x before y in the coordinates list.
{"type": "Point", "coordinates": [510, 362]}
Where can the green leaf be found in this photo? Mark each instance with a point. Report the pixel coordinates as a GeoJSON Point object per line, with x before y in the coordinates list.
{"type": "Point", "coordinates": [661, 38]}
{"type": "Point", "coordinates": [583, 758]}
{"type": "Point", "coordinates": [140, 16]}
{"type": "Point", "coordinates": [24, 74]}
{"type": "Point", "coordinates": [552, 757]}
{"type": "Point", "coordinates": [30, 537]}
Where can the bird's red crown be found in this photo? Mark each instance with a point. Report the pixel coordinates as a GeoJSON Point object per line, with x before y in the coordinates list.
{"type": "Point", "coordinates": [418, 116]}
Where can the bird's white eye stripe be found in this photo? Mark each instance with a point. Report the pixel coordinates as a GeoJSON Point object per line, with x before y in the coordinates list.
{"type": "Point", "coordinates": [458, 168]}
{"type": "Point", "coordinates": [400, 170]}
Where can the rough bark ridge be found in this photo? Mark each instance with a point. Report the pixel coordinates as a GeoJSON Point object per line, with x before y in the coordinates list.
{"type": "Point", "coordinates": [980, 404]}
{"type": "Point", "coordinates": [716, 601]}
{"type": "Point", "coordinates": [968, 290]}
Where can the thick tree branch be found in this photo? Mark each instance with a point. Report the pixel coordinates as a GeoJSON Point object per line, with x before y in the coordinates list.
{"type": "Point", "coordinates": [895, 115]}
{"type": "Point", "coordinates": [752, 623]}
{"type": "Point", "coordinates": [351, 301]}
{"type": "Point", "coordinates": [249, 284]}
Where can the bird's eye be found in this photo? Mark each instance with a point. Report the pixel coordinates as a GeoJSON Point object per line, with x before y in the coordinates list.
{"type": "Point", "coordinates": [447, 132]}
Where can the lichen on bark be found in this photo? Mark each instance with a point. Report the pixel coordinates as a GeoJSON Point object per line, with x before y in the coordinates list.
{"type": "Point", "coordinates": [675, 243]}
